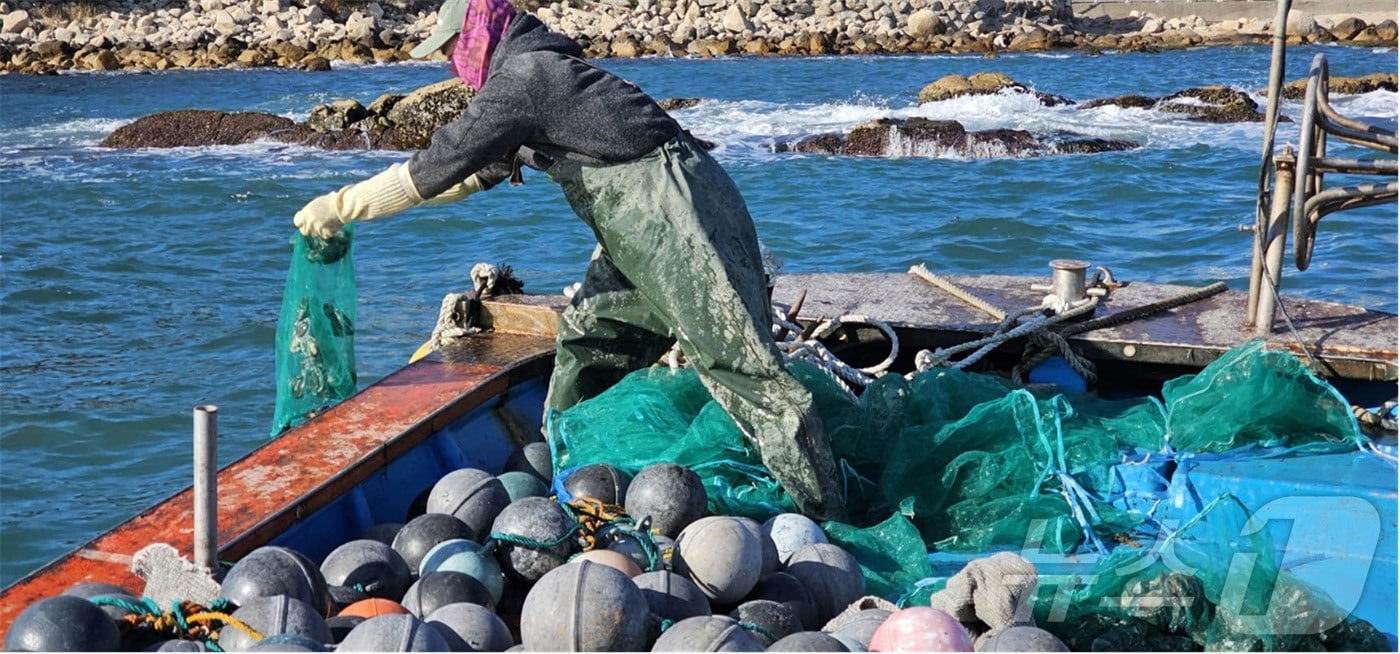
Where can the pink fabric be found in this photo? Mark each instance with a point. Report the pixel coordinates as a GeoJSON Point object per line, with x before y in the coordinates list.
{"type": "Point", "coordinates": [482, 27]}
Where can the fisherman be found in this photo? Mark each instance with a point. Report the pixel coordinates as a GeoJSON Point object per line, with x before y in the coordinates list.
{"type": "Point", "coordinates": [677, 256]}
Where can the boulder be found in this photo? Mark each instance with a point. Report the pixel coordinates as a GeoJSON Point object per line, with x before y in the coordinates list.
{"type": "Point", "coordinates": [922, 137]}
{"type": "Point", "coordinates": [1129, 101]}
{"type": "Point", "coordinates": [956, 86]}
{"type": "Point", "coordinates": [195, 127]}
{"type": "Point", "coordinates": [1296, 89]}
{"type": "Point", "coordinates": [1212, 104]}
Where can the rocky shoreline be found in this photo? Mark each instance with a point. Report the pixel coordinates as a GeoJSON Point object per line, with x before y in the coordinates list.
{"type": "Point", "coordinates": [37, 36]}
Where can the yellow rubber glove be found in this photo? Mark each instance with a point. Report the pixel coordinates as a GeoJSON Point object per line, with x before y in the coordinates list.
{"type": "Point", "coordinates": [456, 193]}
{"type": "Point", "coordinates": [385, 194]}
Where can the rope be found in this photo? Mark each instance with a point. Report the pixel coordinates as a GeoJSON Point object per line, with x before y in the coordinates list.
{"type": "Point", "coordinates": [922, 272]}
{"type": "Point", "coordinates": [1043, 345]}
{"type": "Point", "coordinates": [1134, 313]}
{"type": "Point", "coordinates": [749, 626]}
{"type": "Point", "coordinates": [942, 357]}
{"type": "Point", "coordinates": [797, 343]}
{"type": "Point", "coordinates": [184, 620]}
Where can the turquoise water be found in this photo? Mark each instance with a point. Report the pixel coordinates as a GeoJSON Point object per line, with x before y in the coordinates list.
{"type": "Point", "coordinates": [139, 284]}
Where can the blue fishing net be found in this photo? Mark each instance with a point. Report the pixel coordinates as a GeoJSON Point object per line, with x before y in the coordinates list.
{"type": "Point", "coordinates": [316, 329]}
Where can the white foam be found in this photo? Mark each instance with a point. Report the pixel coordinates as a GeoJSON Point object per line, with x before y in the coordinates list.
{"type": "Point", "coordinates": [756, 125]}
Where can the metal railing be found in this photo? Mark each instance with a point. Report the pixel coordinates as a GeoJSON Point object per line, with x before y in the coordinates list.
{"type": "Point", "coordinates": [1298, 201]}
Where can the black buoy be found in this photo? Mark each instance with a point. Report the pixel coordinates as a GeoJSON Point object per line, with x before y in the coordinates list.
{"type": "Point", "coordinates": [520, 484]}
{"type": "Point", "coordinates": [368, 566]}
{"type": "Point", "coordinates": [383, 532]}
{"type": "Point", "coordinates": [790, 532]}
{"type": "Point", "coordinates": [64, 623]}
{"type": "Point", "coordinates": [535, 535]}
{"type": "Point", "coordinates": [1021, 638]}
{"type": "Point", "coordinates": [177, 646]}
{"type": "Point", "coordinates": [808, 641]}
{"type": "Point", "coordinates": [672, 596]}
{"type": "Point", "coordinates": [461, 555]}
{"type": "Point", "coordinates": [342, 596]}
{"type": "Point", "coordinates": [598, 481]}
{"type": "Point", "coordinates": [475, 626]}
{"type": "Point", "coordinates": [859, 626]}
{"type": "Point", "coordinates": [287, 643]}
{"type": "Point", "coordinates": [773, 620]}
{"type": "Point", "coordinates": [584, 607]}
{"type": "Point", "coordinates": [425, 532]}
{"type": "Point", "coordinates": [108, 596]}
{"type": "Point", "coordinates": [771, 562]}
{"type": "Point", "coordinates": [672, 495]}
{"type": "Point", "coordinates": [473, 496]}
{"type": "Point", "coordinates": [393, 632]}
{"type": "Point", "coordinates": [533, 458]}
{"type": "Point", "coordinates": [341, 625]}
{"type": "Point", "coordinates": [419, 505]}
{"type": "Point", "coordinates": [438, 589]}
{"type": "Point", "coordinates": [832, 575]}
{"type": "Point", "coordinates": [272, 570]}
{"type": "Point", "coordinates": [786, 589]}
{"type": "Point", "coordinates": [708, 633]}
{"type": "Point", "coordinates": [721, 555]}
{"type": "Point", "coordinates": [270, 616]}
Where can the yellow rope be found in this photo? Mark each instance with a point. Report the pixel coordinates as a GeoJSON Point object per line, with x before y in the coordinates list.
{"type": "Point", "coordinates": [227, 620]}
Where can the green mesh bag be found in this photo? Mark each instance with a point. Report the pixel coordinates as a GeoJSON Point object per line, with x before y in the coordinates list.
{"type": "Point", "coordinates": [316, 329]}
{"type": "Point", "coordinates": [1273, 400]}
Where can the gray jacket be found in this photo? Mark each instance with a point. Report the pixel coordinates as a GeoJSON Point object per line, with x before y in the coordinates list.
{"type": "Point", "coordinates": [541, 101]}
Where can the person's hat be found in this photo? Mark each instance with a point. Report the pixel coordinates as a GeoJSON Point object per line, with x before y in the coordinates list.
{"type": "Point", "coordinates": [449, 22]}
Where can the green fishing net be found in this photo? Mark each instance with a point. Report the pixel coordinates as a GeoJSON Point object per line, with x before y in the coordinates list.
{"type": "Point", "coordinates": [954, 461]}
{"type": "Point", "coordinates": [316, 329]}
{"type": "Point", "coordinates": [1214, 584]}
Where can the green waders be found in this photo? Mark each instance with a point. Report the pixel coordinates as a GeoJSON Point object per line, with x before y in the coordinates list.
{"type": "Point", "coordinates": [678, 261]}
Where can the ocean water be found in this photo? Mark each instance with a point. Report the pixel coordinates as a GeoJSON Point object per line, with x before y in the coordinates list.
{"type": "Point", "coordinates": [136, 285]}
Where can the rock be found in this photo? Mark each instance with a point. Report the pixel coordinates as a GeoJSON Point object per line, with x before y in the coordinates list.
{"type": "Point", "coordinates": [14, 22]}
{"type": "Point", "coordinates": [195, 127]}
{"type": "Point", "coordinates": [924, 23]}
{"type": "Point", "coordinates": [1296, 89]}
{"type": "Point", "coordinates": [922, 137]}
{"type": "Point", "coordinates": [1347, 28]}
{"type": "Point", "coordinates": [1386, 32]}
{"type": "Point", "coordinates": [413, 119]}
{"type": "Point", "coordinates": [1212, 104]}
{"type": "Point", "coordinates": [1300, 23]}
{"type": "Point", "coordinates": [945, 88]}
{"type": "Point", "coordinates": [735, 21]}
{"type": "Point", "coordinates": [1130, 101]}
{"type": "Point", "coordinates": [337, 115]}
{"type": "Point", "coordinates": [954, 86]}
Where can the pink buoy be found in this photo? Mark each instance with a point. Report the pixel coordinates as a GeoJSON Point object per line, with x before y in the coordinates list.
{"type": "Point", "coordinates": [920, 629]}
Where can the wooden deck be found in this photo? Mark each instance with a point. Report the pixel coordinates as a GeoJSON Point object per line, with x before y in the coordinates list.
{"type": "Point", "coordinates": [1348, 342]}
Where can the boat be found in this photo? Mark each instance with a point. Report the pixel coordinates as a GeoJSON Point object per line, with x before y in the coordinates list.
{"type": "Point", "coordinates": [367, 459]}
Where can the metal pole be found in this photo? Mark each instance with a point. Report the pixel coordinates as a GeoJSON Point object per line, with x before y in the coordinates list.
{"type": "Point", "coordinates": [206, 503]}
{"type": "Point", "coordinates": [1276, 238]}
{"type": "Point", "coordinates": [1265, 212]}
